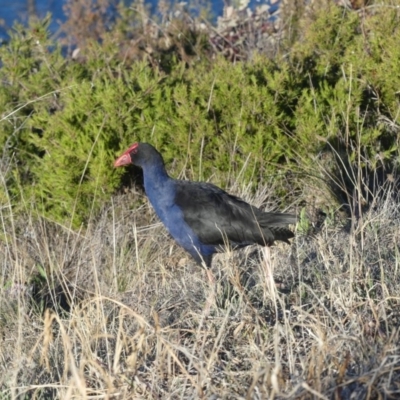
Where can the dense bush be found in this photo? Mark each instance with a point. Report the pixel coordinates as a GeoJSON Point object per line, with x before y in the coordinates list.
{"type": "Point", "coordinates": [64, 120]}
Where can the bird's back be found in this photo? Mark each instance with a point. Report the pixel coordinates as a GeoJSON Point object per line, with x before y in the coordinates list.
{"type": "Point", "coordinates": [218, 218]}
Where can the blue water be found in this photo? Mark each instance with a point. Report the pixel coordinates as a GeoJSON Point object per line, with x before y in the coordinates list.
{"type": "Point", "coordinates": [18, 10]}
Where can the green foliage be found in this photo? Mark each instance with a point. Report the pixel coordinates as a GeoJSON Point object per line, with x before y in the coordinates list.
{"type": "Point", "coordinates": [350, 64]}
{"type": "Point", "coordinates": [64, 121]}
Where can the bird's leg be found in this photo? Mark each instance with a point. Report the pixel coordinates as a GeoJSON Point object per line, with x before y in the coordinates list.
{"type": "Point", "coordinates": [210, 276]}
{"type": "Point", "coordinates": [205, 262]}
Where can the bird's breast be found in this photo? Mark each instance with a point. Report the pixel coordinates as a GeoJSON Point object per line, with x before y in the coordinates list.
{"type": "Point", "coordinates": [162, 198]}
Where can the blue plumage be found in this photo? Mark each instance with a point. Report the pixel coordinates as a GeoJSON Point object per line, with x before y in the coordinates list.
{"type": "Point", "coordinates": [161, 191]}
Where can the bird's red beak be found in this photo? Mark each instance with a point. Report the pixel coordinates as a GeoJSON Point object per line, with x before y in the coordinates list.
{"type": "Point", "coordinates": [125, 158]}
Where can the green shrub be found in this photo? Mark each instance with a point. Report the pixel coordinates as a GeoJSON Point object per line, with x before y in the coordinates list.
{"type": "Point", "coordinates": [350, 65]}
{"type": "Point", "coordinates": [65, 121]}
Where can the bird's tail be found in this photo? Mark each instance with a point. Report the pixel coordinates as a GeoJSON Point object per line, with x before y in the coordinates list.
{"type": "Point", "coordinates": [271, 219]}
{"type": "Point", "coordinates": [278, 224]}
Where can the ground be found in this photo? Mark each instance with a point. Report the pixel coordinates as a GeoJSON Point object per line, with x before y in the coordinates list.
{"type": "Point", "coordinates": [117, 310]}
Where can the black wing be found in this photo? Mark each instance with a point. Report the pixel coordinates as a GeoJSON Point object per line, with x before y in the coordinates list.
{"type": "Point", "coordinates": [217, 217]}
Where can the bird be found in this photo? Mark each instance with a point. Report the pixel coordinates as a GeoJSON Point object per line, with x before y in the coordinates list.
{"type": "Point", "coordinates": [201, 217]}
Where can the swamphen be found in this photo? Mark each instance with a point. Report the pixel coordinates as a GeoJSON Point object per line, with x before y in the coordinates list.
{"type": "Point", "coordinates": [201, 217]}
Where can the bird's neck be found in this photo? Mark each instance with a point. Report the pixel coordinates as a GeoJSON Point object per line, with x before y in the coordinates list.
{"type": "Point", "coordinates": [155, 178]}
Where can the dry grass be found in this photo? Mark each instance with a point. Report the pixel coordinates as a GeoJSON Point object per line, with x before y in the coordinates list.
{"type": "Point", "coordinates": [119, 311]}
